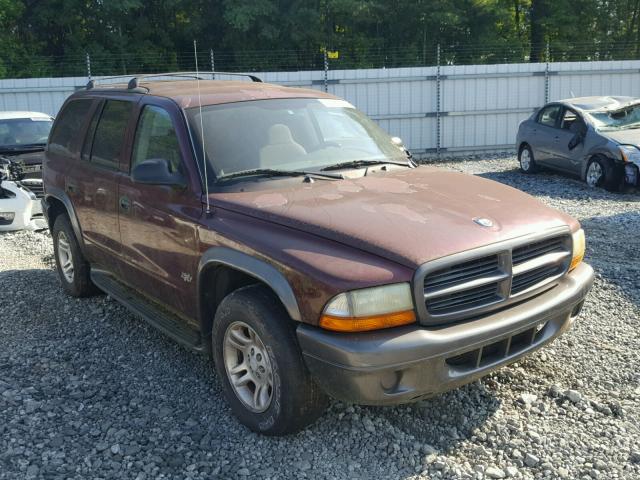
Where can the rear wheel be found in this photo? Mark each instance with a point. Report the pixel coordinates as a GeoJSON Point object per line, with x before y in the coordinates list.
{"type": "Point", "coordinates": [260, 366]}
{"type": "Point", "coordinates": [525, 157]}
{"type": "Point", "coordinates": [603, 172]}
{"type": "Point", "coordinates": [71, 265]}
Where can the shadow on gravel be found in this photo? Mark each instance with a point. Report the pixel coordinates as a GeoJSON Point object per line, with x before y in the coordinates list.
{"type": "Point", "coordinates": [446, 420]}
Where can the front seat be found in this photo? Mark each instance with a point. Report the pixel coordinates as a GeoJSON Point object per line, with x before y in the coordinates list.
{"type": "Point", "coordinates": [281, 147]}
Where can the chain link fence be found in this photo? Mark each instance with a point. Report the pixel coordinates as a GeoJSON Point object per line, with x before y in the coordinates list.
{"type": "Point", "coordinates": [125, 63]}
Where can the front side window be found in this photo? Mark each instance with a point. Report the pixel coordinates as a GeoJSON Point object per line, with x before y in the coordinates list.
{"type": "Point", "coordinates": [288, 134]}
{"type": "Point", "coordinates": [549, 115]}
{"type": "Point", "coordinates": [108, 140]}
{"type": "Point", "coordinates": [156, 138]}
{"type": "Point", "coordinates": [69, 124]}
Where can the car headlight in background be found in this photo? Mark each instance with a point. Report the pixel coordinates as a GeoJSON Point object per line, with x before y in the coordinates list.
{"type": "Point", "coordinates": [369, 309]}
{"type": "Point", "coordinates": [630, 154]}
{"type": "Point", "coordinates": [579, 245]}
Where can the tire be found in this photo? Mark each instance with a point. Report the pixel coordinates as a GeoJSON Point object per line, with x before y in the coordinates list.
{"type": "Point", "coordinates": [603, 172]}
{"type": "Point", "coordinates": [293, 401]}
{"type": "Point", "coordinates": [526, 160]}
{"type": "Point", "coordinates": [71, 265]}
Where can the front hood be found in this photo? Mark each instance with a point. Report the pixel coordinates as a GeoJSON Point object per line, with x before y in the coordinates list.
{"type": "Point", "coordinates": [409, 216]}
{"type": "Point", "coordinates": [625, 137]}
{"type": "Point", "coordinates": [28, 158]}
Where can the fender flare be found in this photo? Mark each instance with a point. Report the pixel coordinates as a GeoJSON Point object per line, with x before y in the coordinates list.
{"type": "Point", "coordinates": [255, 268]}
{"type": "Point", "coordinates": [61, 196]}
{"type": "Point", "coordinates": [603, 152]}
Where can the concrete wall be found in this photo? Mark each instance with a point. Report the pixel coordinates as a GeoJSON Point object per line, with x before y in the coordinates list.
{"type": "Point", "coordinates": [468, 108]}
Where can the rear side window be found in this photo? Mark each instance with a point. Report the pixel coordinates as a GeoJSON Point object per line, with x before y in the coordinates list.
{"type": "Point", "coordinates": [549, 115]}
{"type": "Point", "coordinates": [156, 138]}
{"type": "Point", "coordinates": [108, 140]}
{"type": "Point", "coordinates": [69, 124]}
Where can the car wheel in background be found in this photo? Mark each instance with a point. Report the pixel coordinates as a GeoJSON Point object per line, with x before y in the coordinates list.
{"type": "Point", "coordinates": [525, 157]}
{"type": "Point", "coordinates": [259, 364]}
{"type": "Point", "coordinates": [603, 172]}
{"type": "Point", "coordinates": [71, 265]}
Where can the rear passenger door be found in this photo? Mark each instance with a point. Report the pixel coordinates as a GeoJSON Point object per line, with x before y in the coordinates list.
{"type": "Point", "coordinates": [95, 181]}
{"type": "Point", "coordinates": [158, 222]}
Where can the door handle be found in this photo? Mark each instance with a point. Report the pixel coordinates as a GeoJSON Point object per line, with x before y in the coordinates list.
{"type": "Point", "coordinates": [124, 204]}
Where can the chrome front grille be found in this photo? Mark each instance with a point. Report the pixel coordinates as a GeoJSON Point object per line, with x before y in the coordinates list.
{"type": "Point", "coordinates": [472, 283]}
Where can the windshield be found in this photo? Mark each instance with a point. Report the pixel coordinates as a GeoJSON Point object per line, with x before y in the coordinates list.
{"type": "Point", "coordinates": [618, 119]}
{"type": "Point", "coordinates": [16, 132]}
{"type": "Point", "coordinates": [288, 134]}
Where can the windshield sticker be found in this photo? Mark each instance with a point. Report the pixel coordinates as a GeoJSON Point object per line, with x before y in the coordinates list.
{"type": "Point", "coordinates": [335, 103]}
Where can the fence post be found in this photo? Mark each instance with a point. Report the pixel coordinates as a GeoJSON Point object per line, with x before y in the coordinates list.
{"type": "Point", "coordinates": [326, 71]}
{"type": "Point", "coordinates": [213, 65]}
{"type": "Point", "coordinates": [546, 75]}
{"type": "Point", "coordinates": [88, 59]}
{"type": "Point", "coordinates": [438, 101]}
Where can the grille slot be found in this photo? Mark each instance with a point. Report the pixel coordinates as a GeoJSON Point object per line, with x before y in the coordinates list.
{"type": "Point", "coordinates": [507, 273]}
{"type": "Point", "coordinates": [464, 299]}
{"type": "Point", "coordinates": [463, 272]}
{"type": "Point", "coordinates": [537, 249]}
{"type": "Point", "coordinates": [528, 279]}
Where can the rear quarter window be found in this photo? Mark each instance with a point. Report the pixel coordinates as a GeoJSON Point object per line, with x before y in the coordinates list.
{"type": "Point", "coordinates": [68, 126]}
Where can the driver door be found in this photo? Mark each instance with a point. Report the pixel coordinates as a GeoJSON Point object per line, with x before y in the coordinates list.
{"type": "Point", "coordinates": [565, 153]}
{"type": "Point", "coordinates": [158, 222]}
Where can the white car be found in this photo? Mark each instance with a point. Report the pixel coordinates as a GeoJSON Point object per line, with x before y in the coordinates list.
{"type": "Point", "coordinates": [23, 137]}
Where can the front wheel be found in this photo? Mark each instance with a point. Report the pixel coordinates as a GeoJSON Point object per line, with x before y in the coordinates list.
{"type": "Point", "coordinates": [602, 172]}
{"type": "Point", "coordinates": [260, 366]}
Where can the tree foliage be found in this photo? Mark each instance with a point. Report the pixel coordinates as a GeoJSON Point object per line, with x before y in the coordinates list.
{"type": "Point", "coordinates": [52, 37]}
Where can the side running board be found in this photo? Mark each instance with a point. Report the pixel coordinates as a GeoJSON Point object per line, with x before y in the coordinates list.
{"type": "Point", "coordinates": [167, 322]}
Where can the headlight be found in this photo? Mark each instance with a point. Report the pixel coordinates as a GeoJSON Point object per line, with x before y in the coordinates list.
{"type": "Point", "coordinates": [630, 154]}
{"type": "Point", "coordinates": [369, 309]}
{"type": "Point", "coordinates": [579, 245]}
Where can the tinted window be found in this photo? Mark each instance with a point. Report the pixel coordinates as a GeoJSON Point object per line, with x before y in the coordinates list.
{"type": "Point", "coordinates": [549, 115]}
{"type": "Point", "coordinates": [108, 140]}
{"type": "Point", "coordinates": [68, 125]}
{"type": "Point", "coordinates": [88, 141]}
{"type": "Point", "coordinates": [156, 138]}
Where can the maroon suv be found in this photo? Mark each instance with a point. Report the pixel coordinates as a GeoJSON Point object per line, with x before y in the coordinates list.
{"type": "Point", "coordinates": [282, 232]}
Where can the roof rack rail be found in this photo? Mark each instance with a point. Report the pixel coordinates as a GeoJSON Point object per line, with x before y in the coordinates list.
{"type": "Point", "coordinates": [135, 80]}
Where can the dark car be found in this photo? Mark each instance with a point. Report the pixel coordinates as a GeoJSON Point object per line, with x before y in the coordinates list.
{"type": "Point", "coordinates": [595, 138]}
{"type": "Point", "coordinates": [283, 233]}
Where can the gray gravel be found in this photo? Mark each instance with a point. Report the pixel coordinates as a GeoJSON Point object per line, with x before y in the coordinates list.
{"type": "Point", "coordinates": [89, 391]}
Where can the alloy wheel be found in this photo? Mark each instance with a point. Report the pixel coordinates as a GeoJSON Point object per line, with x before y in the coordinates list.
{"type": "Point", "coordinates": [65, 257]}
{"type": "Point", "coordinates": [525, 159]}
{"type": "Point", "coordinates": [594, 174]}
{"type": "Point", "coordinates": [248, 366]}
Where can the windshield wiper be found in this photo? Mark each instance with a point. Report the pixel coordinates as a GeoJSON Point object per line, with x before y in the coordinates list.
{"type": "Point", "coordinates": [270, 172]}
{"type": "Point", "coordinates": [363, 163]}
{"type": "Point", "coordinates": [26, 146]}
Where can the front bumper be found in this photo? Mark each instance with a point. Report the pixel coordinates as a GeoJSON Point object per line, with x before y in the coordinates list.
{"type": "Point", "coordinates": [27, 211]}
{"type": "Point", "coordinates": [405, 364]}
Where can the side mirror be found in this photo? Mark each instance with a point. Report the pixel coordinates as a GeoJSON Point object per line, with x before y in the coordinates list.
{"type": "Point", "coordinates": [156, 172]}
{"type": "Point", "coordinates": [579, 130]}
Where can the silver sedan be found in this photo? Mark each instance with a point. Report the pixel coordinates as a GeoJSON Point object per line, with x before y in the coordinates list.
{"type": "Point", "coordinates": [595, 138]}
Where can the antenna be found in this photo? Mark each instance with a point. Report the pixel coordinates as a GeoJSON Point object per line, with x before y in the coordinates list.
{"type": "Point", "coordinates": [204, 162]}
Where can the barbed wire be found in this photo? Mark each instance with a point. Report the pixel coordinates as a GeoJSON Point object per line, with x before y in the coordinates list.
{"type": "Point", "coordinates": [108, 63]}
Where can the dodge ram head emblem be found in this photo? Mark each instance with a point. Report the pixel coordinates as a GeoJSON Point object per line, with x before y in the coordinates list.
{"type": "Point", "coordinates": [483, 222]}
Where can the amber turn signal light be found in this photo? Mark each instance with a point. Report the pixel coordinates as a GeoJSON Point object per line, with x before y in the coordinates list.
{"type": "Point", "coordinates": [364, 324]}
{"type": "Point", "coordinates": [579, 245]}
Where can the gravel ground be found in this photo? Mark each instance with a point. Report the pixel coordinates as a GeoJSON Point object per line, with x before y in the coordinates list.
{"type": "Point", "coordinates": [87, 390]}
